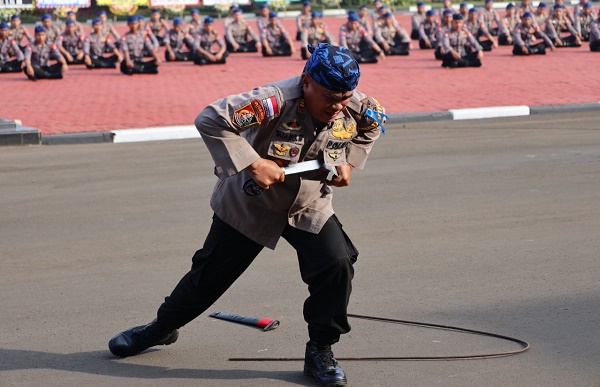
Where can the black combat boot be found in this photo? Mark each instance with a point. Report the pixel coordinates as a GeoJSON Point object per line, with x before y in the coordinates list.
{"type": "Point", "coordinates": [138, 339]}
{"type": "Point", "coordinates": [320, 364]}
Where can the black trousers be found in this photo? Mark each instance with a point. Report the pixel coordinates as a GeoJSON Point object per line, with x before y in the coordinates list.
{"type": "Point", "coordinates": [469, 60]}
{"type": "Point", "coordinates": [244, 47]}
{"type": "Point", "coordinates": [326, 266]}
{"type": "Point", "coordinates": [438, 53]}
{"type": "Point", "coordinates": [283, 49]}
{"type": "Point", "coordinates": [11, 66]}
{"type": "Point", "coordinates": [569, 41]}
{"type": "Point", "coordinates": [179, 56]}
{"type": "Point", "coordinates": [46, 72]}
{"type": "Point", "coordinates": [75, 61]}
{"type": "Point", "coordinates": [298, 36]}
{"type": "Point", "coordinates": [201, 59]}
{"type": "Point", "coordinates": [423, 46]}
{"type": "Point", "coordinates": [534, 49]}
{"type": "Point", "coordinates": [486, 45]}
{"type": "Point", "coordinates": [503, 40]}
{"type": "Point", "coordinates": [595, 46]}
{"type": "Point", "coordinates": [140, 67]}
{"type": "Point", "coordinates": [103, 62]}
{"type": "Point", "coordinates": [494, 31]}
{"type": "Point", "coordinates": [398, 48]}
{"type": "Point", "coordinates": [414, 34]}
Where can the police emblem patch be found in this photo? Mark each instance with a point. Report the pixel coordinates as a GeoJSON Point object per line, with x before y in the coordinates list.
{"type": "Point", "coordinates": [339, 131]}
{"type": "Point", "coordinates": [293, 125]}
{"type": "Point", "coordinates": [248, 115]}
{"type": "Point", "coordinates": [281, 149]}
{"type": "Point", "coordinates": [335, 155]}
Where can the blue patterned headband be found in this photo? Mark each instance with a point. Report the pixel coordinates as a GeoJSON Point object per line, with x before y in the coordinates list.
{"type": "Point", "coordinates": [332, 67]}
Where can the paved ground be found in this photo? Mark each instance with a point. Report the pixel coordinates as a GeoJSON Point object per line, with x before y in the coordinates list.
{"type": "Point", "coordinates": [490, 224]}
{"type": "Point", "coordinates": [105, 99]}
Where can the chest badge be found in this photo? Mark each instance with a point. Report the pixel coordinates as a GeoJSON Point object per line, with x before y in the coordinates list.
{"type": "Point", "coordinates": [343, 133]}
{"type": "Point", "coordinates": [280, 149]}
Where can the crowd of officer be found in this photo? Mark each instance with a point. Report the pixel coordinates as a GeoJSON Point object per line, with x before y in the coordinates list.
{"type": "Point", "coordinates": [458, 39]}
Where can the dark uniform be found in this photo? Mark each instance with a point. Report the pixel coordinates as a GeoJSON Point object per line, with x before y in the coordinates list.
{"type": "Point", "coordinates": [526, 36]}
{"type": "Point", "coordinates": [73, 44]}
{"type": "Point", "coordinates": [9, 48]}
{"type": "Point", "coordinates": [277, 38]}
{"type": "Point", "coordinates": [428, 32]}
{"type": "Point", "coordinates": [135, 44]}
{"type": "Point", "coordinates": [96, 45]}
{"type": "Point", "coordinates": [242, 34]}
{"type": "Point", "coordinates": [463, 43]}
{"type": "Point", "coordinates": [180, 42]}
{"type": "Point", "coordinates": [556, 25]}
{"type": "Point", "coordinates": [40, 56]}
{"type": "Point", "coordinates": [394, 35]}
{"type": "Point", "coordinates": [595, 35]}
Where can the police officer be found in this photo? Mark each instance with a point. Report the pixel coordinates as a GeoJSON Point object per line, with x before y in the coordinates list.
{"type": "Point", "coordinates": [316, 33]}
{"type": "Point", "coordinates": [52, 31]}
{"type": "Point", "coordinates": [540, 16]}
{"type": "Point", "coordinates": [446, 6]}
{"type": "Point", "coordinates": [275, 39]}
{"type": "Point", "coordinates": [133, 44]}
{"type": "Point", "coordinates": [525, 38]}
{"type": "Point", "coordinates": [145, 31]}
{"type": "Point", "coordinates": [9, 48]}
{"type": "Point", "coordinates": [205, 40]}
{"type": "Point", "coordinates": [525, 6]}
{"type": "Point", "coordinates": [180, 45]}
{"type": "Point", "coordinates": [363, 18]}
{"type": "Point", "coordinates": [463, 9]}
{"type": "Point", "coordinates": [416, 20]}
{"type": "Point", "coordinates": [303, 20]}
{"type": "Point", "coordinates": [460, 47]}
{"type": "Point", "coordinates": [507, 26]}
{"type": "Point", "coordinates": [239, 36]}
{"type": "Point", "coordinates": [195, 24]}
{"type": "Point", "coordinates": [262, 20]}
{"type": "Point", "coordinates": [355, 38]}
{"type": "Point", "coordinates": [477, 28]}
{"type": "Point", "coordinates": [595, 34]}
{"type": "Point", "coordinates": [490, 18]}
{"type": "Point", "coordinates": [70, 44]}
{"type": "Point", "coordinates": [158, 26]}
{"type": "Point", "coordinates": [428, 31]}
{"type": "Point", "coordinates": [38, 55]}
{"type": "Point", "coordinates": [96, 44]}
{"type": "Point", "coordinates": [445, 27]}
{"type": "Point", "coordinates": [18, 32]}
{"type": "Point", "coordinates": [107, 27]}
{"type": "Point", "coordinates": [583, 19]}
{"type": "Point", "coordinates": [557, 24]}
{"type": "Point", "coordinates": [392, 37]}
{"type": "Point", "coordinates": [316, 116]}
{"type": "Point", "coordinates": [71, 15]}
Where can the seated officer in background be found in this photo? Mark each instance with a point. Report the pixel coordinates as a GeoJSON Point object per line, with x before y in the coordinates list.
{"type": "Point", "coordinates": [144, 29]}
{"type": "Point", "coordinates": [525, 38]}
{"type": "Point", "coordinates": [195, 24]}
{"type": "Point", "coordinates": [489, 16]}
{"type": "Point", "coordinates": [540, 16]}
{"type": "Point", "coordinates": [354, 37]}
{"type": "Point", "coordinates": [239, 36]}
{"type": "Point", "coordinates": [583, 19]}
{"type": "Point", "coordinates": [107, 27]}
{"type": "Point", "coordinates": [37, 56]}
{"type": "Point", "coordinates": [460, 47]}
{"type": "Point", "coordinates": [316, 33]}
{"type": "Point", "coordinates": [557, 24]}
{"type": "Point", "coordinates": [428, 31]}
{"type": "Point", "coordinates": [363, 18]}
{"type": "Point", "coordinates": [595, 34]}
{"type": "Point", "coordinates": [52, 31]}
{"type": "Point", "coordinates": [263, 17]}
{"type": "Point", "coordinates": [303, 20]}
{"type": "Point", "coordinates": [477, 28]}
{"type": "Point", "coordinates": [70, 44]}
{"type": "Point", "coordinates": [180, 45]}
{"type": "Point", "coordinates": [464, 10]}
{"type": "Point", "coordinates": [416, 20]}
{"type": "Point", "coordinates": [158, 26]}
{"type": "Point", "coordinates": [18, 32]}
{"type": "Point", "coordinates": [96, 44]}
{"type": "Point", "coordinates": [133, 44]}
{"type": "Point", "coordinates": [9, 48]}
{"type": "Point", "coordinates": [205, 40]}
{"type": "Point", "coordinates": [392, 37]}
{"type": "Point", "coordinates": [507, 26]}
{"type": "Point", "coordinates": [447, 16]}
{"type": "Point", "coordinates": [71, 15]}
{"type": "Point", "coordinates": [275, 39]}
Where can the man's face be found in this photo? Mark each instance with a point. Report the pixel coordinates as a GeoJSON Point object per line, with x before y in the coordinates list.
{"type": "Point", "coordinates": [447, 19]}
{"type": "Point", "coordinates": [273, 21]}
{"type": "Point", "coordinates": [306, 8]}
{"type": "Point", "coordinates": [208, 27]}
{"type": "Point", "coordinates": [363, 12]}
{"type": "Point", "coordinates": [447, 3]}
{"type": "Point", "coordinates": [457, 25]}
{"type": "Point", "coordinates": [353, 25]}
{"type": "Point", "coordinates": [389, 21]}
{"type": "Point", "coordinates": [587, 11]}
{"type": "Point", "coordinates": [489, 5]}
{"type": "Point", "coordinates": [558, 12]}
{"type": "Point", "coordinates": [103, 17]}
{"type": "Point", "coordinates": [47, 23]}
{"type": "Point", "coordinates": [323, 104]}
{"type": "Point", "coordinates": [527, 22]}
{"type": "Point", "coordinates": [40, 37]}
{"type": "Point", "coordinates": [264, 12]}
{"type": "Point", "coordinates": [316, 21]}
{"type": "Point", "coordinates": [177, 27]}
{"type": "Point", "coordinates": [3, 33]}
{"type": "Point", "coordinates": [133, 26]}
{"type": "Point", "coordinates": [155, 16]}
{"type": "Point", "coordinates": [473, 16]}
{"type": "Point", "coordinates": [541, 11]}
{"type": "Point", "coordinates": [237, 16]}
{"type": "Point", "coordinates": [71, 16]}
{"type": "Point", "coordinates": [421, 9]}
{"type": "Point", "coordinates": [71, 29]}
{"type": "Point", "coordinates": [97, 28]}
{"type": "Point", "coordinates": [15, 23]}
{"type": "Point", "coordinates": [510, 12]}
{"type": "Point", "coordinates": [525, 2]}
{"type": "Point", "coordinates": [196, 17]}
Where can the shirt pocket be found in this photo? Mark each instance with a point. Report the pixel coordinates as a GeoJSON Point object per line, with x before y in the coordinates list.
{"type": "Point", "coordinates": [287, 141]}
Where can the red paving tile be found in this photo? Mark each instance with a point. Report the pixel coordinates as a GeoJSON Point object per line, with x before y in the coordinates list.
{"type": "Point", "coordinates": [99, 100]}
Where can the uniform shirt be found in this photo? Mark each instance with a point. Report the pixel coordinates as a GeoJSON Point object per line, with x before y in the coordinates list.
{"type": "Point", "coordinates": [107, 28]}
{"type": "Point", "coordinates": [71, 43]}
{"type": "Point", "coordinates": [261, 23]}
{"type": "Point", "coordinates": [458, 41]}
{"type": "Point", "coordinates": [352, 39]}
{"type": "Point", "coordinates": [555, 26]}
{"type": "Point", "coordinates": [239, 32]}
{"type": "Point", "coordinates": [147, 32]}
{"type": "Point", "coordinates": [540, 20]}
{"type": "Point", "coordinates": [52, 34]}
{"type": "Point", "coordinates": [315, 35]}
{"type": "Point", "coordinates": [416, 20]}
{"type": "Point", "coordinates": [19, 33]}
{"type": "Point", "coordinates": [8, 48]}
{"type": "Point", "coordinates": [177, 40]}
{"type": "Point", "coordinates": [595, 30]}
{"type": "Point", "coordinates": [582, 22]}
{"type": "Point", "coordinates": [95, 45]}
{"type": "Point", "coordinates": [273, 34]}
{"type": "Point", "coordinates": [522, 8]}
{"type": "Point", "coordinates": [388, 33]}
{"type": "Point", "coordinates": [41, 55]}
{"type": "Point", "coordinates": [527, 36]}
{"type": "Point", "coordinates": [135, 44]}
{"type": "Point", "coordinates": [429, 31]}
{"type": "Point", "coordinates": [507, 25]}
{"type": "Point", "coordinates": [272, 122]}
{"type": "Point", "coordinates": [476, 28]}
{"type": "Point", "coordinates": [207, 40]}
{"type": "Point", "coordinates": [156, 27]}
{"type": "Point", "coordinates": [364, 21]}
{"type": "Point", "coordinates": [488, 17]}
{"type": "Point", "coordinates": [194, 27]}
{"type": "Point", "coordinates": [303, 21]}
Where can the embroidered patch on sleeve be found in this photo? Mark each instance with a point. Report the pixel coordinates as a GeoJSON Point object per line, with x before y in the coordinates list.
{"type": "Point", "coordinates": [248, 115]}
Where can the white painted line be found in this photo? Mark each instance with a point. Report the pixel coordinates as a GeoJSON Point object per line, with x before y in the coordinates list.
{"type": "Point", "coordinates": [489, 112]}
{"type": "Point", "coordinates": [155, 134]}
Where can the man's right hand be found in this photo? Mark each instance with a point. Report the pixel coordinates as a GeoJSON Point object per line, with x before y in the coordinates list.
{"type": "Point", "coordinates": [266, 173]}
{"type": "Point", "coordinates": [129, 63]}
{"type": "Point", "coordinates": [30, 71]}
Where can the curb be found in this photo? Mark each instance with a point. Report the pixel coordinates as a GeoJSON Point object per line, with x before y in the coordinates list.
{"type": "Point", "coordinates": [189, 131]}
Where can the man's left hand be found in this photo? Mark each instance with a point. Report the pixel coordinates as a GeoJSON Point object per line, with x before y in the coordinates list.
{"type": "Point", "coordinates": [343, 177]}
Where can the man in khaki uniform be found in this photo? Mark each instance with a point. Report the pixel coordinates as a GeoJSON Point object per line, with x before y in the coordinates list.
{"type": "Point", "coordinates": [489, 16]}
{"type": "Point", "coordinates": [559, 23]}
{"type": "Point", "coordinates": [354, 37]}
{"type": "Point", "coordinates": [133, 44]}
{"type": "Point", "coordinates": [206, 38]}
{"type": "Point", "coordinates": [18, 32]}
{"type": "Point", "coordinates": [460, 47]}
{"type": "Point", "coordinates": [392, 38]}
{"type": "Point", "coordinates": [316, 116]}
{"type": "Point", "coordinates": [595, 34]}
{"type": "Point", "coordinates": [38, 55]}
{"type": "Point", "coordinates": [70, 44]}
{"type": "Point", "coordinates": [52, 31]}
{"type": "Point", "coordinates": [416, 20]}
{"type": "Point", "coordinates": [303, 20]}
{"type": "Point", "coordinates": [96, 44]}
{"type": "Point", "coordinates": [526, 37]}
{"type": "Point", "coordinates": [239, 36]}
{"type": "Point", "coordinates": [507, 26]}
{"type": "Point", "coordinates": [9, 48]}
{"type": "Point", "coordinates": [275, 39]}
{"type": "Point", "coordinates": [315, 34]}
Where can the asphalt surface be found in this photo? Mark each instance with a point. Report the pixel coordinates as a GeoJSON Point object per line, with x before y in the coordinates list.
{"type": "Point", "coordinates": [490, 225]}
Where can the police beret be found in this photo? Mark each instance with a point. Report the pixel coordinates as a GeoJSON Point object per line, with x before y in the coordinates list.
{"type": "Point", "coordinates": [510, 5]}
{"type": "Point", "coordinates": [362, 6]}
{"type": "Point", "coordinates": [69, 22]}
{"type": "Point", "coordinates": [102, 12]}
{"type": "Point", "coordinates": [232, 7]}
{"type": "Point", "coordinates": [177, 21]}
{"type": "Point", "coordinates": [237, 10]}
{"type": "Point", "coordinates": [316, 14]}
{"type": "Point", "coordinates": [15, 16]}
{"type": "Point", "coordinates": [132, 18]}
{"type": "Point", "coordinates": [46, 16]}
{"type": "Point", "coordinates": [272, 14]}
{"type": "Point", "coordinates": [587, 5]}
{"type": "Point", "coordinates": [39, 29]}
{"type": "Point", "coordinates": [96, 20]}
{"type": "Point", "coordinates": [447, 12]}
{"type": "Point", "coordinates": [559, 6]}
{"type": "Point", "coordinates": [457, 16]}
{"type": "Point", "coordinates": [431, 12]}
{"type": "Point", "coordinates": [71, 13]}
{"type": "Point", "coordinates": [208, 20]}
{"type": "Point", "coordinates": [3, 25]}
{"type": "Point", "coordinates": [420, 3]}
{"type": "Point", "coordinates": [463, 5]}
{"type": "Point", "coordinates": [473, 10]}
{"type": "Point", "coordinates": [306, 3]}
{"type": "Point", "coordinates": [264, 5]}
{"type": "Point", "coordinates": [489, 1]}
{"type": "Point", "coordinates": [352, 17]}
{"type": "Point", "coordinates": [154, 10]}
{"type": "Point", "coordinates": [387, 14]}
{"type": "Point", "coordinates": [376, 1]}
{"type": "Point", "coordinates": [527, 14]}
{"type": "Point", "coordinates": [193, 11]}
{"type": "Point", "coordinates": [542, 4]}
